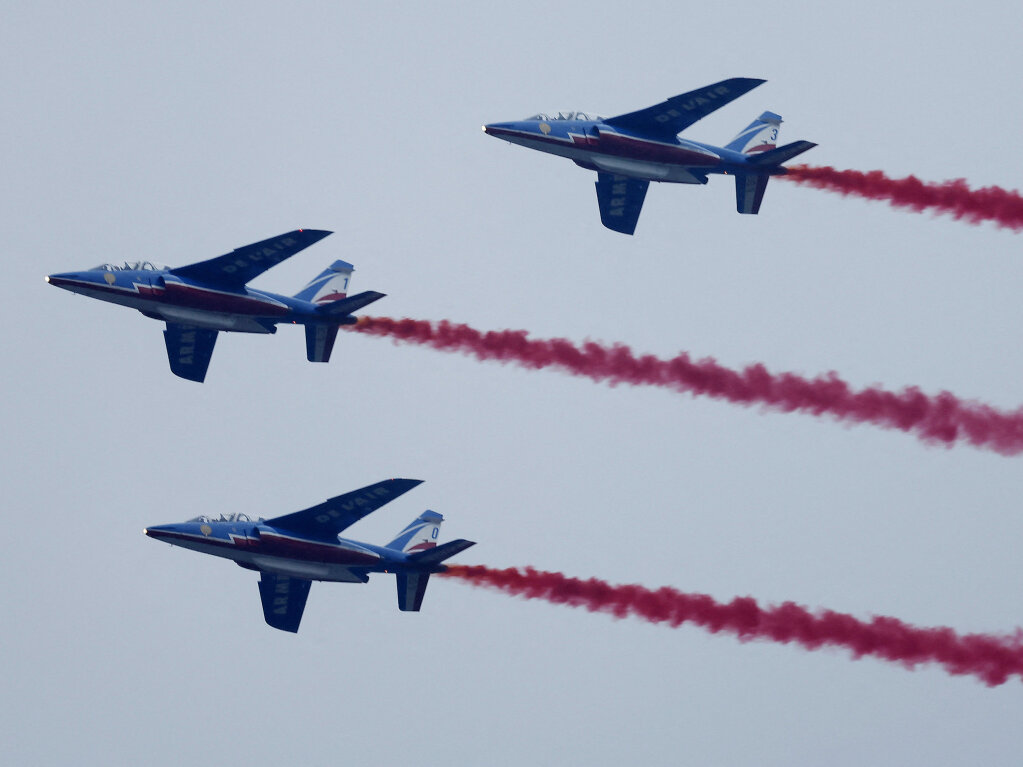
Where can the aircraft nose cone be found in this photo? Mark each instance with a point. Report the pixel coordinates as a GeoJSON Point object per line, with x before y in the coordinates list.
{"type": "Point", "coordinates": [495, 129]}
{"type": "Point", "coordinates": [62, 279]}
{"type": "Point", "coordinates": [503, 130]}
{"type": "Point", "coordinates": [156, 531]}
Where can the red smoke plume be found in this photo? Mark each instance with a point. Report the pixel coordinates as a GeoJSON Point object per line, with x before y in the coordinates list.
{"type": "Point", "coordinates": [990, 203]}
{"type": "Point", "coordinates": [937, 419]}
{"type": "Point", "coordinates": [991, 658]}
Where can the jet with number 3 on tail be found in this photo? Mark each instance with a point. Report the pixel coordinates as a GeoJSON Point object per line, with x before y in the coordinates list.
{"type": "Point", "coordinates": [292, 551]}
{"type": "Point", "coordinates": [631, 150]}
{"type": "Point", "coordinates": [199, 300]}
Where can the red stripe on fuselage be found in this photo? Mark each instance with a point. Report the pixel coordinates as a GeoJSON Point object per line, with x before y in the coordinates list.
{"type": "Point", "coordinates": [312, 551]}
{"type": "Point", "coordinates": [273, 544]}
{"type": "Point", "coordinates": [98, 287]}
{"type": "Point", "coordinates": [209, 299]}
{"type": "Point", "coordinates": [620, 145]}
{"type": "Point", "coordinates": [181, 294]}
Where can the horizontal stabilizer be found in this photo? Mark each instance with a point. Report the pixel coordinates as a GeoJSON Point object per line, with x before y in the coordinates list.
{"type": "Point", "coordinates": [411, 590]}
{"type": "Point", "coordinates": [781, 154]}
{"type": "Point", "coordinates": [749, 191]}
{"type": "Point", "coordinates": [189, 350]}
{"type": "Point", "coordinates": [438, 554]}
{"type": "Point", "coordinates": [351, 304]}
{"type": "Point", "coordinates": [283, 600]}
{"type": "Point", "coordinates": [319, 342]}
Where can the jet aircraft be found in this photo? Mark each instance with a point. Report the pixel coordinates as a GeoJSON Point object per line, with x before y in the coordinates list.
{"type": "Point", "coordinates": [199, 300]}
{"type": "Point", "coordinates": [631, 150]}
{"type": "Point", "coordinates": [292, 551]}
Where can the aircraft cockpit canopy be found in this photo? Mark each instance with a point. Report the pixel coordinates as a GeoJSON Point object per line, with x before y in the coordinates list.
{"type": "Point", "coordinates": [567, 116]}
{"type": "Point", "coordinates": [223, 518]}
{"type": "Point", "coordinates": [132, 266]}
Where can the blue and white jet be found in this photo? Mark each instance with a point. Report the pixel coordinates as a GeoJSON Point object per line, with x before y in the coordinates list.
{"type": "Point", "coordinates": [292, 551]}
{"type": "Point", "coordinates": [199, 300]}
{"type": "Point", "coordinates": [631, 150]}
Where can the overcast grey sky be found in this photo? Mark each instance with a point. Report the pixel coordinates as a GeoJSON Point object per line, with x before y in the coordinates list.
{"type": "Point", "coordinates": [177, 132]}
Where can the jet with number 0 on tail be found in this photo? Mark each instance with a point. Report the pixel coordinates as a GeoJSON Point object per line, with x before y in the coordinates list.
{"type": "Point", "coordinates": [199, 300]}
{"type": "Point", "coordinates": [292, 551]}
{"type": "Point", "coordinates": [631, 150]}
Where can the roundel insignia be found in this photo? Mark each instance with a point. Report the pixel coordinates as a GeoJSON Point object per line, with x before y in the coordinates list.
{"type": "Point", "coordinates": [205, 529]}
{"type": "Point", "coordinates": [109, 277]}
{"type": "Point", "coordinates": [545, 128]}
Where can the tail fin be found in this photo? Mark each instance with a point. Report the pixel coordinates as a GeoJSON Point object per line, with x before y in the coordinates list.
{"type": "Point", "coordinates": [419, 540]}
{"type": "Point", "coordinates": [330, 285]}
{"type": "Point", "coordinates": [421, 534]}
{"type": "Point", "coordinates": [329, 291]}
{"type": "Point", "coordinates": [761, 135]}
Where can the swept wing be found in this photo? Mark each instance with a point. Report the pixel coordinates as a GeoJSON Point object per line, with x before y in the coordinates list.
{"type": "Point", "coordinates": [621, 200]}
{"type": "Point", "coordinates": [677, 113]}
{"type": "Point", "coordinates": [189, 350]}
{"type": "Point", "coordinates": [326, 520]}
{"type": "Point", "coordinates": [283, 600]}
{"type": "Point", "coordinates": [235, 269]}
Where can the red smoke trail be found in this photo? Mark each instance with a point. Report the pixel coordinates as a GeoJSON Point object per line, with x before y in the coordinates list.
{"type": "Point", "coordinates": [990, 203]}
{"type": "Point", "coordinates": [991, 658]}
{"type": "Point", "coordinates": [937, 419]}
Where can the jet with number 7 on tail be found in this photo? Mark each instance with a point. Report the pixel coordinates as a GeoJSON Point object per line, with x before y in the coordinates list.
{"type": "Point", "coordinates": [292, 551]}
{"type": "Point", "coordinates": [199, 300]}
{"type": "Point", "coordinates": [631, 150]}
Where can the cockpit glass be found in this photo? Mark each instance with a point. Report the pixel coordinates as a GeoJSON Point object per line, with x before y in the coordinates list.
{"type": "Point", "coordinates": [222, 518]}
{"type": "Point", "coordinates": [566, 116]}
{"type": "Point", "coordinates": [132, 266]}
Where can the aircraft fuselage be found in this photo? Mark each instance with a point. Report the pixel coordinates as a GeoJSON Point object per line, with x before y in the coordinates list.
{"type": "Point", "coordinates": [597, 146]}
{"type": "Point", "coordinates": [257, 546]}
{"type": "Point", "coordinates": [166, 296]}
